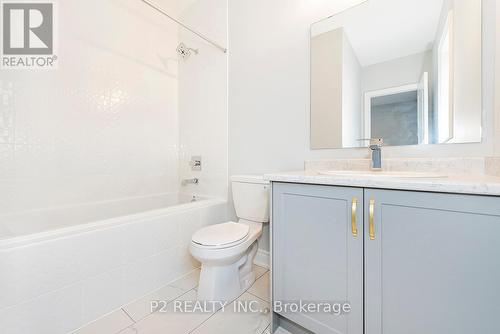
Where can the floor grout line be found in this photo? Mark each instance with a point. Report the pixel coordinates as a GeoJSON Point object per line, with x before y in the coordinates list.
{"type": "Point", "coordinates": [150, 314]}
{"type": "Point", "coordinates": [191, 331]}
{"type": "Point", "coordinates": [128, 315]}
{"type": "Point", "coordinates": [253, 294]}
{"type": "Point", "coordinates": [217, 312]}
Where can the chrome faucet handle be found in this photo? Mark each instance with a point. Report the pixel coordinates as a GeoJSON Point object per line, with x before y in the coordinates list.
{"type": "Point", "coordinates": [195, 163]}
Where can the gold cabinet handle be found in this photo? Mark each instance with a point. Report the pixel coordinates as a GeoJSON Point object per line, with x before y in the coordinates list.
{"type": "Point", "coordinates": [371, 222]}
{"type": "Point", "coordinates": [354, 224]}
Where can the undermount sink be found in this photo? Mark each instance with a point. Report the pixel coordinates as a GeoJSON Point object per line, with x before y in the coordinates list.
{"type": "Point", "coordinates": [382, 174]}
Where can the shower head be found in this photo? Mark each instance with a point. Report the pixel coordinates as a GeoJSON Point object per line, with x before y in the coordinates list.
{"type": "Point", "coordinates": [185, 51]}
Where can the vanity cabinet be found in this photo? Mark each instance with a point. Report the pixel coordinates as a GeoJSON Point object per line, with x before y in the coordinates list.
{"type": "Point", "coordinates": [420, 263]}
{"type": "Point", "coordinates": [316, 257]}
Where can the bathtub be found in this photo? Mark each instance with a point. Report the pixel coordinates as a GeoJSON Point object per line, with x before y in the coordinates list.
{"type": "Point", "coordinates": [65, 267]}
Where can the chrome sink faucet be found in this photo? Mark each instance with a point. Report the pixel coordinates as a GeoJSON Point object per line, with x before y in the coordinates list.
{"type": "Point", "coordinates": [376, 150]}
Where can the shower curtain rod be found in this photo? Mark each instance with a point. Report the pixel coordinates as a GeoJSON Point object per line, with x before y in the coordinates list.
{"type": "Point", "coordinates": [206, 39]}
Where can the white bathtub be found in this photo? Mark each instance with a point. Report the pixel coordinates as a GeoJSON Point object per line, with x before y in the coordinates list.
{"type": "Point", "coordinates": [62, 268]}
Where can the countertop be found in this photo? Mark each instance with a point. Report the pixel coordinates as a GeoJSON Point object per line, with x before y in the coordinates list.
{"type": "Point", "coordinates": [457, 184]}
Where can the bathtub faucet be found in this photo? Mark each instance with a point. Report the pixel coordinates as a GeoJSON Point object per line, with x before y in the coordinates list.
{"type": "Point", "coordinates": [195, 180]}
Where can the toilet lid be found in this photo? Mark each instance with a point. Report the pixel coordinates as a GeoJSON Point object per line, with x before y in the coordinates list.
{"type": "Point", "coordinates": [221, 234]}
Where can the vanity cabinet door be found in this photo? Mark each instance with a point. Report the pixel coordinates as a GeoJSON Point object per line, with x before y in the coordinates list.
{"type": "Point", "coordinates": [316, 256]}
{"type": "Point", "coordinates": [432, 263]}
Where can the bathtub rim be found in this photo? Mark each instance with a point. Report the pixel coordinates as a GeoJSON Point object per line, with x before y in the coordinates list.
{"type": "Point", "coordinates": [45, 236]}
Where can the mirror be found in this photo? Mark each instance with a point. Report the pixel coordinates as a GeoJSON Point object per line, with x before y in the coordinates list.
{"type": "Point", "coordinates": [407, 71]}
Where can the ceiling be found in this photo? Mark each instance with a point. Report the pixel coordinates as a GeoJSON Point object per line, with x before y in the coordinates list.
{"type": "Point", "coordinates": [382, 30]}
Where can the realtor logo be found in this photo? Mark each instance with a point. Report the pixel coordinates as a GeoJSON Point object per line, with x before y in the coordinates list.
{"type": "Point", "coordinates": [27, 35]}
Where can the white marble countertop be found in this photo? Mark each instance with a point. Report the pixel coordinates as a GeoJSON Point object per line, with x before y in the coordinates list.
{"type": "Point", "coordinates": [460, 184]}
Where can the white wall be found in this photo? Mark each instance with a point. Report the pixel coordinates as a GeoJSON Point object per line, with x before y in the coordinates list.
{"type": "Point", "coordinates": [101, 126]}
{"type": "Point", "coordinates": [269, 88]}
{"type": "Point", "coordinates": [203, 99]}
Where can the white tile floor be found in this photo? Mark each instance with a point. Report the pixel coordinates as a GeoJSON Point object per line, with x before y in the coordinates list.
{"type": "Point", "coordinates": [136, 317]}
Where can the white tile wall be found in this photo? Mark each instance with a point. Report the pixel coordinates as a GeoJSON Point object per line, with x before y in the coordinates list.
{"type": "Point", "coordinates": [104, 125]}
{"type": "Point", "coordinates": [113, 119]}
{"type": "Point", "coordinates": [203, 113]}
{"type": "Point", "coordinates": [108, 124]}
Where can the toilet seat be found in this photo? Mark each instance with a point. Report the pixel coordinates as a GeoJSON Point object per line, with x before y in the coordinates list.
{"type": "Point", "coordinates": [221, 235]}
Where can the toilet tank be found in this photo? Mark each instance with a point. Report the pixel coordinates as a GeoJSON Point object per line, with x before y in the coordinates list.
{"type": "Point", "coordinates": [251, 197]}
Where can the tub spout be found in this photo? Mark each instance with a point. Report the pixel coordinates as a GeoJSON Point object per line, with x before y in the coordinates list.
{"type": "Point", "coordinates": [195, 180]}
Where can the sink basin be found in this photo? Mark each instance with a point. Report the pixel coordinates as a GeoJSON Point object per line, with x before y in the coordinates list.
{"type": "Point", "coordinates": [382, 174]}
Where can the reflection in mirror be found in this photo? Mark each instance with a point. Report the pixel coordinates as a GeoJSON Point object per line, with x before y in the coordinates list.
{"type": "Point", "coordinates": [407, 71]}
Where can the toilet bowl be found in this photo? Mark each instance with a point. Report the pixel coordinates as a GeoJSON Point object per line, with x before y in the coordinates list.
{"type": "Point", "coordinates": [227, 251]}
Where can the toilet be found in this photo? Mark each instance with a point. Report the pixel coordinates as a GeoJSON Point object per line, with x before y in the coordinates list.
{"type": "Point", "coordinates": [227, 251]}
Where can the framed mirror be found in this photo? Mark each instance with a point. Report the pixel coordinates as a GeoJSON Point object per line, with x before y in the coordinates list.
{"type": "Point", "coordinates": [406, 71]}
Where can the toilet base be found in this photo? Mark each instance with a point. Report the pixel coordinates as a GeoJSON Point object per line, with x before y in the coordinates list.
{"type": "Point", "coordinates": [227, 282]}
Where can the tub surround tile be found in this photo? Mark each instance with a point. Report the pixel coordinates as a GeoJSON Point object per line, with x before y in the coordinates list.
{"type": "Point", "coordinates": [107, 104]}
{"type": "Point", "coordinates": [6, 161]}
{"type": "Point", "coordinates": [109, 324]}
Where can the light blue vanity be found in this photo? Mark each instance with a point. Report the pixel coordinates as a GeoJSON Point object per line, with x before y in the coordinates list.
{"type": "Point", "coordinates": [414, 247]}
{"type": "Point", "coordinates": [405, 261]}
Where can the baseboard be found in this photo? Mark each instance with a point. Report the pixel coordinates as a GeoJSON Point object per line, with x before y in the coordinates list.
{"type": "Point", "coordinates": [262, 258]}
